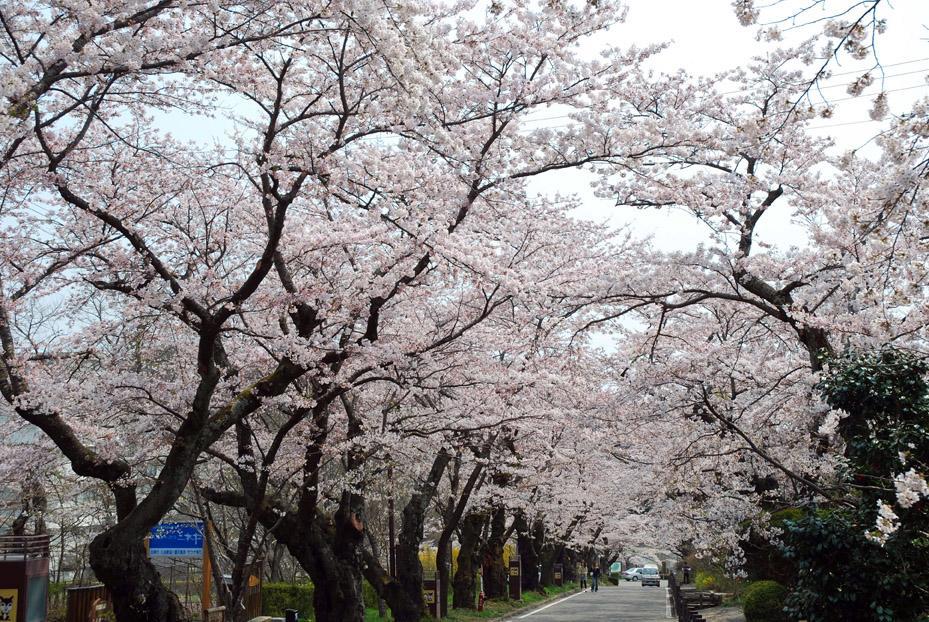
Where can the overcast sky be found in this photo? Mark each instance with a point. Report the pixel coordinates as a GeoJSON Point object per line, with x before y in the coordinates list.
{"type": "Point", "coordinates": [705, 38]}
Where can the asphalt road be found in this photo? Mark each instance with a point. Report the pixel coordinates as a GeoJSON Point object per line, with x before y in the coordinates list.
{"type": "Point", "coordinates": [629, 602]}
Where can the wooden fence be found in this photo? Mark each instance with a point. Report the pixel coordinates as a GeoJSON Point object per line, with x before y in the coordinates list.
{"type": "Point", "coordinates": [85, 604]}
{"type": "Point", "coordinates": [686, 608]}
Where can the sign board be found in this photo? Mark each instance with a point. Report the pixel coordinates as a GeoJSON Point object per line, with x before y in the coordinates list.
{"type": "Point", "coordinates": [616, 568]}
{"type": "Point", "coordinates": [559, 574]}
{"type": "Point", "coordinates": [176, 540]}
{"type": "Point", "coordinates": [431, 593]}
{"type": "Point", "coordinates": [9, 602]}
{"type": "Point", "coordinates": [516, 582]}
{"type": "Point", "coordinates": [98, 610]}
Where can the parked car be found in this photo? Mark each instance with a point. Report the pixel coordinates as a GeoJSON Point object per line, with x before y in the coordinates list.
{"type": "Point", "coordinates": [630, 574]}
{"type": "Point", "coordinates": [649, 576]}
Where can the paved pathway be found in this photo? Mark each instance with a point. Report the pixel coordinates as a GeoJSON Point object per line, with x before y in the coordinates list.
{"type": "Point", "coordinates": [629, 602]}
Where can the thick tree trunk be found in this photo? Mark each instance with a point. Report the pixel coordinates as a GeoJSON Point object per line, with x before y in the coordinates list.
{"type": "Point", "coordinates": [121, 563]}
{"type": "Point", "coordinates": [330, 551]}
{"type": "Point", "coordinates": [404, 592]}
{"type": "Point", "coordinates": [550, 555]}
{"type": "Point", "coordinates": [570, 565]}
{"type": "Point", "coordinates": [464, 584]}
{"type": "Point", "coordinates": [337, 591]}
{"type": "Point", "coordinates": [494, 571]}
{"type": "Point", "coordinates": [118, 556]}
{"type": "Point", "coordinates": [527, 544]}
{"type": "Point", "coordinates": [443, 566]}
{"type": "Point", "coordinates": [452, 519]}
{"type": "Point", "coordinates": [337, 573]}
{"type": "Point", "coordinates": [402, 605]}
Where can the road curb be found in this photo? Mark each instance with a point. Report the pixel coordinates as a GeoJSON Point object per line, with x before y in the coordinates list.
{"type": "Point", "coordinates": [542, 603]}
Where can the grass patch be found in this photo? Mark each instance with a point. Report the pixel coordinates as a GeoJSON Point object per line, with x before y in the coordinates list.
{"type": "Point", "coordinates": [493, 609]}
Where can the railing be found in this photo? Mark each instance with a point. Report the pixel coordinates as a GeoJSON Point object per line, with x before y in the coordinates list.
{"type": "Point", "coordinates": [685, 612]}
{"type": "Point", "coordinates": [19, 547]}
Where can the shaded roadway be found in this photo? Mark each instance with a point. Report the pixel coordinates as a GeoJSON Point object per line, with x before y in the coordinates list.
{"type": "Point", "coordinates": [628, 602]}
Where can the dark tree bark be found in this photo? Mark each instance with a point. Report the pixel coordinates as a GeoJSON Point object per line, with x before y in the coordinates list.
{"type": "Point", "coordinates": [570, 565]}
{"type": "Point", "coordinates": [121, 563]}
{"type": "Point", "coordinates": [548, 559]}
{"type": "Point", "coordinates": [331, 551]}
{"type": "Point", "coordinates": [452, 519]}
{"type": "Point", "coordinates": [403, 593]}
{"type": "Point", "coordinates": [494, 571]}
{"type": "Point", "coordinates": [528, 541]}
{"type": "Point", "coordinates": [464, 584]}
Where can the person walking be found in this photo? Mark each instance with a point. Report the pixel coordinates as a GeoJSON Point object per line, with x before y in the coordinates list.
{"type": "Point", "coordinates": [582, 575]}
{"type": "Point", "coordinates": [595, 579]}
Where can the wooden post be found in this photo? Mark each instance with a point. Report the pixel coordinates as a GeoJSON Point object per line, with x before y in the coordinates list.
{"type": "Point", "coordinates": [559, 574]}
{"type": "Point", "coordinates": [516, 579]}
{"type": "Point", "coordinates": [207, 595]}
{"type": "Point", "coordinates": [431, 593]}
{"type": "Point", "coordinates": [391, 525]}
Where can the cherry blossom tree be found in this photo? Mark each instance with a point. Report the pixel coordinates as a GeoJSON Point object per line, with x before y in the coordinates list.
{"type": "Point", "coordinates": [729, 336]}
{"type": "Point", "coordinates": [367, 209]}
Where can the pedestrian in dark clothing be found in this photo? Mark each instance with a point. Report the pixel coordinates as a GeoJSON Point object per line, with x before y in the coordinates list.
{"type": "Point", "coordinates": [595, 579]}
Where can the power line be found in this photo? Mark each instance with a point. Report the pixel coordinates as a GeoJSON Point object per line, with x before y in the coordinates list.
{"type": "Point", "coordinates": [895, 75]}
{"type": "Point", "coordinates": [834, 101]}
{"type": "Point", "coordinates": [830, 86]}
{"type": "Point", "coordinates": [858, 71]}
{"type": "Point", "coordinates": [907, 88]}
{"type": "Point", "coordinates": [820, 127]}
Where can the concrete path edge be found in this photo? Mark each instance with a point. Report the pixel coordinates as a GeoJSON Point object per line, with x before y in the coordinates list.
{"type": "Point", "coordinates": [542, 603]}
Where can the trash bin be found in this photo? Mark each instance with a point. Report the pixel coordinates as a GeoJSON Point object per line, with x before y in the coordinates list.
{"type": "Point", "coordinates": [290, 615]}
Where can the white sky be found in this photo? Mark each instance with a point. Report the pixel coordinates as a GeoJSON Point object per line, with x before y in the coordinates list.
{"type": "Point", "coordinates": [706, 38]}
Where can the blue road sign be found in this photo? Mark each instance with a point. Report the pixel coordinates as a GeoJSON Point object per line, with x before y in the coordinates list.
{"type": "Point", "coordinates": [176, 540]}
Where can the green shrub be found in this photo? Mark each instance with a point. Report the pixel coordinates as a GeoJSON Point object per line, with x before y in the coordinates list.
{"type": "Point", "coordinates": [57, 601]}
{"type": "Point", "coordinates": [276, 597]}
{"type": "Point", "coordinates": [369, 595]}
{"type": "Point", "coordinates": [763, 601]}
{"type": "Point", "coordinates": [706, 580]}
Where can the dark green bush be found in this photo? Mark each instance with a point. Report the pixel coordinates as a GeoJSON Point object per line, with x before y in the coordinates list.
{"type": "Point", "coordinates": [276, 597]}
{"type": "Point", "coordinates": [886, 396]}
{"type": "Point", "coordinates": [763, 601]}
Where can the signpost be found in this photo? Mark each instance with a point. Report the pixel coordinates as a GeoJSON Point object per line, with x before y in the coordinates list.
{"type": "Point", "coordinates": [559, 575]}
{"type": "Point", "coordinates": [516, 580]}
{"type": "Point", "coordinates": [176, 540]}
{"type": "Point", "coordinates": [185, 539]}
{"type": "Point", "coordinates": [99, 609]}
{"type": "Point", "coordinates": [616, 568]}
{"type": "Point", "coordinates": [431, 593]}
{"type": "Point", "coordinates": [24, 578]}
